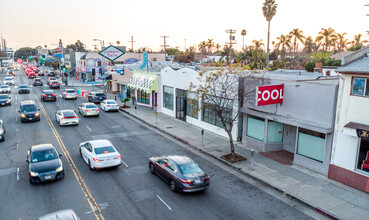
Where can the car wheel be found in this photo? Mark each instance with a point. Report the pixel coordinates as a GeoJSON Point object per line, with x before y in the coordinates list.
{"type": "Point", "coordinates": [173, 186]}
{"type": "Point", "coordinates": [80, 152]}
{"type": "Point", "coordinates": [98, 115]}
{"type": "Point", "coordinates": [90, 165]}
{"type": "Point", "coordinates": [152, 168]}
{"type": "Point", "coordinates": [30, 181]}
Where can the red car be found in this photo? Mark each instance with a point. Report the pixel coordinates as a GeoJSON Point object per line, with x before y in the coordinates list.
{"type": "Point", "coordinates": [32, 75]}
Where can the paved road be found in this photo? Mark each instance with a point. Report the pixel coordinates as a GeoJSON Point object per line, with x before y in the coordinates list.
{"type": "Point", "coordinates": [129, 191]}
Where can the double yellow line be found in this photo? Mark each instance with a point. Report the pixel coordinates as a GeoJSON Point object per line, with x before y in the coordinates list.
{"type": "Point", "coordinates": [90, 199]}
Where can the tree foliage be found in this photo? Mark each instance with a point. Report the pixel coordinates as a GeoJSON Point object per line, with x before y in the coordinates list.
{"type": "Point", "coordinates": [172, 51]}
{"type": "Point", "coordinates": [78, 46]}
{"type": "Point", "coordinates": [24, 52]}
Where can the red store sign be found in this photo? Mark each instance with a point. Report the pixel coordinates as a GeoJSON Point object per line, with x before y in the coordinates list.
{"type": "Point", "coordinates": [269, 95]}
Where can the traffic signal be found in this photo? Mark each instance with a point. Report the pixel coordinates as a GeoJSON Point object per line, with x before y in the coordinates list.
{"type": "Point", "coordinates": [64, 69]}
{"type": "Point", "coordinates": [93, 71]}
{"type": "Point", "coordinates": [43, 58]}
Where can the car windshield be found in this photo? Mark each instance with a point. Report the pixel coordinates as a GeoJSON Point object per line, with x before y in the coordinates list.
{"type": "Point", "coordinates": [37, 80]}
{"type": "Point", "coordinates": [111, 102]}
{"type": "Point", "coordinates": [189, 168]}
{"type": "Point", "coordinates": [29, 108]}
{"type": "Point", "coordinates": [69, 114]}
{"type": "Point", "coordinates": [99, 94]}
{"type": "Point", "coordinates": [3, 97]}
{"type": "Point", "coordinates": [49, 92]}
{"type": "Point", "coordinates": [91, 106]}
{"type": "Point", "coordinates": [54, 82]}
{"type": "Point", "coordinates": [4, 87]}
{"type": "Point", "coordinates": [23, 87]}
{"type": "Point", "coordinates": [104, 150]}
{"type": "Point", "coordinates": [39, 156]}
{"type": "Point", "coordinates": [70, 91]}
{"type": "Point", "coordinates": [8, 79]}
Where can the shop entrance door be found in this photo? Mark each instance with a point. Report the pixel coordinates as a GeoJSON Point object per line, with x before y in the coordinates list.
{"type": "Point", "coordinates": [181, 104]}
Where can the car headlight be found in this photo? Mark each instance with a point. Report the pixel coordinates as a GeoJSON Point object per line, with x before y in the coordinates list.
{"type": "Point", "coordinates": [23, 115]}
{"type": "Point", "coordinates": [1, 131]}
{"type": "Point", "coordinates": [8, 101]}
{"type": "Point", "coordinates": [37, 114]}
{"type": "Point", "coordinates": [59, 169]}
{"type": "Point", "coordinates": [33, 173]}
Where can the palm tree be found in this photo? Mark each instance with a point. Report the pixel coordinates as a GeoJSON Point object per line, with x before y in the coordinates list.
{"type": "Point", "coordinates": [217, 46]}
{"type": "Point", "coordinates": [284, 42]}
{"type": "Point", "coordinates": [327, 36]}
{"type": "Point", "coordinates": [118, 42]}
{"type": "Point", "coordinates": [269, 10]}
{"type": "Point", "coordinates": [309, 45]}
{"type": "Point", "coordinates": [243, 34]}
{"type": "Point", "coordinates": [297, 34]}
{"type": "Point", "coordinates": [202, 46]}
{"type": "Point", "coordinates": [258, 44]}
{"type": "Point", "coordinates": [357, 40]}
{"type": "Point", "coordinates": [342, 42]}
{"type": "Point", "coordinates": [210, 45]}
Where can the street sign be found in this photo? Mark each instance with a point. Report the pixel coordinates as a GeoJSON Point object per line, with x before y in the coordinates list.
{"type": "Point", "coordinates": [268, 95]}
{"type": "Point", "coordinates": [111, 53]}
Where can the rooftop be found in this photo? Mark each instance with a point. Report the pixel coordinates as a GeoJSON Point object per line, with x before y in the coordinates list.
{"type": "Point", "coordinates": [359, 66]}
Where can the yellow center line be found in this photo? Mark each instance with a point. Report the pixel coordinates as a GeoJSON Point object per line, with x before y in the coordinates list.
{"type": "Point", "coordinates": [86, 191]}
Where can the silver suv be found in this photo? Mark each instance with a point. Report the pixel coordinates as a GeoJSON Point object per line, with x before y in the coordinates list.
{"type": "Point", "coordinates": [69, 94]}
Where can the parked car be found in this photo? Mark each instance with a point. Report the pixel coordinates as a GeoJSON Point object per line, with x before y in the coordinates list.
{"type": "Point", "coordinates": [88, 109]}
{"type": "Point", "coordinates": [8, 81]}
{"type": "Point", "coordinates": [5, 99]}
{"type": "Point", "coordinates": [44, 164]}
{"type": "Point", "coordinates": [109, 105]}
{"type": "Point", "coordinates": [96, 97]}
{"type": "Point", "coordinates": [2, 130]}
{"type": "Point", "coordinates": [54, 85]}
{"type": "Point", "coordinates": [50, 79]}
{"type": "Point", "coordinates": [66, 117]}
{"type": "Point", "coordinates": [69, 94]}
{"type": "Point", "coordinates": [67, 214]}
{"type": "Point", "coordinates": [5, 89]}
{"type": "Point", "coordinates": [23, 88]}
{"type": "Point", "coordinates": [28, 111]}
{"type": "Point", "coordinates": [180, 172]}
{"type": "Point", "coordinates": [37, 82]}
{"type": "Point", "coordinates": [48, 95]}
{"type": "Point", "coordinates": [100, 154]}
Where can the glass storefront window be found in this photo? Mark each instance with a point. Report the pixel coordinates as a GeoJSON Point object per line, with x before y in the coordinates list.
{"type": "Point", "coordinates": [311, 144]}
{"type": "Point", "coordinates": [168, 97]}
{"type": "Point", "coordinates": [275, 132]}
{"type": "Point", "coordinates": [255, 127]}
{"type": "Point", "coordinates": [143, 97]}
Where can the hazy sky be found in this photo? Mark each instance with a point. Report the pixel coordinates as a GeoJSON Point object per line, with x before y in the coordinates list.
{"type": "Point", "coordinates": [44, 22]}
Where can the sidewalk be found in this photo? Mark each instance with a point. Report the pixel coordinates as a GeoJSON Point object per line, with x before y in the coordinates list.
{"type": "Point", "coordinates": [325, 195]}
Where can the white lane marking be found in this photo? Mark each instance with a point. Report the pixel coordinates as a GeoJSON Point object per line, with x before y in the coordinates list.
{"type": "Point", "coordinates": [102, 206]}
{"type": "Point", "coordinates": [18, 174]}
{"type": "Point", "coordinates": [164, 202]}
{"type": "Point", "coordinates": [16, 97]}
{"type": "Point", "coordinates": [16, 118]}
{"type": "Point", "coordinates": [88, 128]}
{"type": "Point", "coordinates": [64, 104]}
{"type": "Point", "coordinates": [17, 146]}
{"type": "Point", "coordinates": [124, 163]}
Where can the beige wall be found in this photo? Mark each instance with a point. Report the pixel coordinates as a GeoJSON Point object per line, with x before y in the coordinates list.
{"type": "Point", "coordinates": [116, 77]}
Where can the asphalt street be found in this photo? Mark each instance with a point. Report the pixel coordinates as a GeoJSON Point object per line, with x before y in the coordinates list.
{"type": "Point", "coordinates": [127, 192]}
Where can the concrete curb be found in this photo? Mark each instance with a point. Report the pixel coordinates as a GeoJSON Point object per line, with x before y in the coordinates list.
{"type": "Point", "coordinates": [319, 210]}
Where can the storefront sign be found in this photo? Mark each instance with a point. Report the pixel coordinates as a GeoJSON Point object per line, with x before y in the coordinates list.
{"type": "Point", "coordinates": [268, 95]}
{"type": "Point", "coordinates": [111, 53]}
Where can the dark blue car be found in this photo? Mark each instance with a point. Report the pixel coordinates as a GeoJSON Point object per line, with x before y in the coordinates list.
{"type": "Point", "coordinates": [5, 99]}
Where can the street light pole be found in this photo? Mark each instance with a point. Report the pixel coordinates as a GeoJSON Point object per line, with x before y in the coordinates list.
{"type": "Point", "coordinates": [103, 63]}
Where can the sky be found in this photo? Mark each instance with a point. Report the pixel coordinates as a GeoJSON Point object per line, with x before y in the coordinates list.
{"type": "Point", "coordinates": [26, 23]}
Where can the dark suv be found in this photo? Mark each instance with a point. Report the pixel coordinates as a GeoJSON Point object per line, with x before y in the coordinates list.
{"type": "Point", "coordinates": [37, 82]}
{"type": "Point", "coordinates": [28, 111]}
{"type": "Point", "coordinates": [96, 97]}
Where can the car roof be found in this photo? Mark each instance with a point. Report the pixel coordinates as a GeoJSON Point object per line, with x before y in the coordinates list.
{"type": "Point", "coordinates": [67, 214]}
{"type": "Point", "coordinates": [70, 90]}
{"type": "Point", "coordinates": [180, 159]}
{"type": "Point", "coordinates": [67, 110]}
{"type": "Point", "coordinates": [23, 85]}
{"type": "Point", "coordinates": [110, 100]}
{"type": "Point", "coordinates": [4, 85]}
{"type": "Point", "coordinates": [88, 103]}
{"type": "Point", "coordinates": [100, 143]}
{"type": "Point", "coordinates": [28, 102]}
{"type": "Point", "coordinates": [42, 147]}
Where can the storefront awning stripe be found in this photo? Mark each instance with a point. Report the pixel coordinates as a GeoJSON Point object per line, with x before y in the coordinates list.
{"type": "Point", "coordinates": [147, 81]}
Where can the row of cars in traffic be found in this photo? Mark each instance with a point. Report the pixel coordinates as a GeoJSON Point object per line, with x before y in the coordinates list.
{"type": "Point", "coordinates": [44, 163]}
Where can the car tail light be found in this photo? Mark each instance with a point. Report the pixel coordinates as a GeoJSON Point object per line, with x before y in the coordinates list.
{"type": "Point", "coordinates": [97, 110]}
{"type": "Point", "coordinates": [86, 110]}
{"type": "Point", "coordinates": [185, 181]}
{"type": "Point", "coordinates": [70, 117]}
{"type": "Point", "coordinates": [65, 94]}
{"type": "Point", "coordinates": [44, 95]}
{"type": "Point", "coordinates": [54, 95]}
{"type": "Point", "coordinates": [108, 106]}
{"type": "Point", "coordinates": [118, 157]}
{"type": "Point", "coordinates": [97, 160]}
{"type": "Point", "coordinates": [206, 178]}
{"type": "Point", "coordinates": [76, 94]}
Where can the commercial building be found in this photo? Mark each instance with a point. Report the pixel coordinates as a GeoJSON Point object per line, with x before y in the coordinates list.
{"type": "Point", "coordinates": [350, 160]}
{"type": "Point", "coordinates": [300, 125]}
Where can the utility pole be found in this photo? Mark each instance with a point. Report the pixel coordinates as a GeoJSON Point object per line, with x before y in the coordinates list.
{"type": "Point", "coordinates": [132, 43]}
{"type": "Point", "coordinates": [231, 41]}
{"type": "Point", "coordinates": [165, 46]}
{"type": "Point", "coordinates": [185, 45]}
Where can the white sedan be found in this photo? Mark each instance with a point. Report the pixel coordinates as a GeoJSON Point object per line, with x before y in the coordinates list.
{"type": "Point", "coordinates": [109, 105]}
{"type": "Point", "coordinates": [66, 117]}
{"type": "Point", "coordinates": [8, 81]}
{"type": "Point", "coordinates": [100, 154]}
{"type": "Point", "coordinates": [88, 109]}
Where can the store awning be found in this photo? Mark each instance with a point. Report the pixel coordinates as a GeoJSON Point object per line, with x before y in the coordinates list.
{"type": "Point", "coordinates": [147, 81]}
{"type": "Point", "coordinates": [105, 76]}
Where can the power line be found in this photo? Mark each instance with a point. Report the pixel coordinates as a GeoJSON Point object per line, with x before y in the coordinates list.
{"type": "Point", "coordinates": [231, 41]}
{"type": "Point", "coordinates": [165, 45]}
{"type": "Point", "coordinates": [132, 43]}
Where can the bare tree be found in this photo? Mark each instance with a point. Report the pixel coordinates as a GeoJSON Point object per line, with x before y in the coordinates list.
{"type": "Point", "coordinates": [220, 93]}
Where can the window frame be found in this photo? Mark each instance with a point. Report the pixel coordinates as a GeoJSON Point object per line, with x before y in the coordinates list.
{"type": "Point", "coordinates": [365, 86]}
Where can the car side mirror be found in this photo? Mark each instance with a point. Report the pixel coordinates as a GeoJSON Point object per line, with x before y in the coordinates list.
{"type": "Point", "coordinates": [19, 111]}
{"type": "Point", "coordinates": [60, 155]}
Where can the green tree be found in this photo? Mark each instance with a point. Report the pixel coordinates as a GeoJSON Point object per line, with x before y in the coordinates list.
{"type": "Point", "coordinates": [202, 46]}
{"type": "Point", "coordinates": [284, 42]}
{"type": "Point", "coordinates": [269, 10]}
{"type": "Point", "coordinates": [243, 34]}
{"type": "Point", "coordinates": [172, 51]}
{"type": "Point", "coordinates": [210, 45]}
{"type": "Point", "coordinates": [342, 41]}
{"type": "Point", "coordinates": [327, 36]}
{"type": "Point", "coordinates": [24, 52]}
{"type": "Point", "coordinates": [78, 46]}
{"type": "Point", "coordinates": [297, 34]}
{"type": "Point", "coordinates": [309, 45]}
